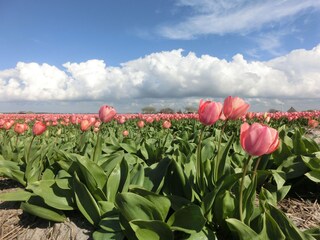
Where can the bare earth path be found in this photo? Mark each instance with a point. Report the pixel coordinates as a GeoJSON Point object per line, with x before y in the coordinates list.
{"type": "Point", "coordinates": [304, 211]}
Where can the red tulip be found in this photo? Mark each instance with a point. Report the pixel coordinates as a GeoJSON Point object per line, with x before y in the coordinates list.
{"type": "Point", "coordinates": [234, 108]}
{"type": "Point", "coordinates": [166, 124]}
{"type": "Point", "coordinates": [209, 112]}
{"type": "Point", "coordinates": [258, 139]}
{"type": "Point", "coordinates": [39, 128]}
{"type": "Point", "coordinates": [106, 113]}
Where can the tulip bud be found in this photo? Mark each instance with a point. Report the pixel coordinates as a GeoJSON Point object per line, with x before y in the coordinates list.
{"type": "Point", "coordinates": [140, 124]}
{"type": "Point", "coordinates": [209, 112]}
{"type": "Point", "coordinates": [258, 139]}
{"type": "Point", "coordinates": [39, 128]}
{"type": "Point", "coordinates": [85, 125]}
{"type": "Point", "coordinates": [166, 124]}
{"type": "Point", "coordinates": [106, 113]}
{"type": "Point", "coordinates": [313, 123]}
{"type": "Point", "coordinates": [125, 133]}
{"type": "Point", "coordinates": [20, 128]}
{"type": "Point", "coordinates": [234, 108]}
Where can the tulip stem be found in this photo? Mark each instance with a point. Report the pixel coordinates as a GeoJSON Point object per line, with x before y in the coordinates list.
{"type": "Point", "coordinates": [199, 173]}
{"type": "Point", "coordinates": [29, 150]}
{"type": "Point", "coordinates": [244, 173]}
{"type": "Point", "coordinates": [164, 143]}
{"type": "Point", "coordinates": [256, 168]}
{"type": "Point", "coordinates": [216, 169]}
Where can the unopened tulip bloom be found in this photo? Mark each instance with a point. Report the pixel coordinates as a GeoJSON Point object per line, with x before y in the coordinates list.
{"type": "Point", "coordinates": [209, 112]}
{"type": "Point", "coordinates": [258, 139]}
{"type": "Point", "coordinates": [125, 133]}
{"type": "Point", "coordinates": [166, 124]}
{"type": "Point", "coordinates": [140, 124]}
{"type": "Point", "coordinates": [39, 128]}
{"type": "Point", "coordinates": [313, 123]}
{"type": "Point", "coordinates": [7, 125]}
{"type": "Point", "coordinates": [234, 108]}
{"type": "Point", "coordinates": [122, 120]}
{"type": "Point", "coordinates": [106, 113]}
{"type": "Point", "coordinates": [20, 128]}
{"type": "Point", "coordinates": [85, 124]}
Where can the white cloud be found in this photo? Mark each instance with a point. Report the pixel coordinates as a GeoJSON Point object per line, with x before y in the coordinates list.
{"type": "Point", "coordinates": [240, 16]}
{"type": "Point", "coordinates": [164, 77]}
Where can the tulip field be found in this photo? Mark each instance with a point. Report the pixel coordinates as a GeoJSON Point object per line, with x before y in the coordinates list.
{"type": "Point", "coordinates": [215, 174]}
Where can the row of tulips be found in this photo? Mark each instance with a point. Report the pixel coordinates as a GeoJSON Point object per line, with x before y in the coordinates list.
{"type": "Point", "coordinates": [217, 174]}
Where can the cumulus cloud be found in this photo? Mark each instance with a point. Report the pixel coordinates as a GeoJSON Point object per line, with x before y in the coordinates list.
{"type": "Point", "coordinates": [239, 16]}
{"type": "Point", "coordinates": [164, 77]}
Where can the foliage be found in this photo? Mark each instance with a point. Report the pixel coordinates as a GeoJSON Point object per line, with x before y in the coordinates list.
{"type": "Point", "coordinates": [184, 182]}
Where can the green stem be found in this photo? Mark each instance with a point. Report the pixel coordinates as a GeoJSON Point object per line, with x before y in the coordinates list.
{"type": "Point", "coordinates": [216, 168]}
{"type": "Point", "coordinates": [256, 168]}
{"type": "Point", "coordinates": [164, 143]}
{"type": "Point", "coordinates": [199, 172]}
{"type": "Point", "coordinates": [96, 154]}
{"type": "Point", "coordinates": [244, 173]}
{"type": "Point", "coordinates": [29, 150]}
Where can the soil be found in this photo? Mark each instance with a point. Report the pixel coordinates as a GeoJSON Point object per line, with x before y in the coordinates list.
{"type": "Point", "coordinates": [302, 208]}
{"type": "Point", "coordinates": [14, 224]}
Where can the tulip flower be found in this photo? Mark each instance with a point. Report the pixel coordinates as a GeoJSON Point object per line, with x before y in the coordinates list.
{"type": "Point", "coordinates": [258, 139]}
{"type": "Point", "coordinates": [122, 120]}
{"type": "Point", "coordinates": [106, 113]}
{"type": "Point", "coordinates": [234, 108]}
{"type": "Point", "coordinates": [209, 112]}
{"type": "Point", "coordinates": [39, 128]}
{"type": "Point", "coordinates": [125, 133]}
{"type": "Point", "coordinates": [20, 128]}
{"type": "Point", "coordinates": [140, 124]}
{"type": "Point", "coordinates": [313, 123]}
{"type": "Point", "coordinates": [166, 124]}
{"type": "Point", "coordinates": [85, 124]}
{"type": "Point", "coordinates": [7, 125]}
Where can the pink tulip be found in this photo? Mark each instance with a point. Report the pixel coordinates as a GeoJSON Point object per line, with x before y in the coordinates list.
{"type": "Point", "coordinates": [150, 119]}
{"type": "Point", "coordinates": [106, 113]}
{"type": "Point", "coordinates": [125, 133]}
{"type": "Point", "coordinates": [122, 120]}
{"type": "Point", "coordinates": [7, 125]}
{"type": "Point", "coordinates": [39, 128]}
{"type": "Point", "coordinates": [85, 125]}
{"type": "Point", "coordinates": [209, 112]}
{"type": "Point", "coordinates": [166, 124]}
{"type": "Point", "coordinates": [20, 128]}
{"type": "Point", "coordinates": [234, 108]}
{"type": "Point", "coordinates": [140, 124]}
{"type": "Point", "coordinates": [313, 123]}
{"type": "Point", "coordinates": [258, 139]}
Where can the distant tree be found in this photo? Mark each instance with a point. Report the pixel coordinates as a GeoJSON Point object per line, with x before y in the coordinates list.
{"type": "Point", "coordinates": [166, 110]}
{"type": "Point", "coordinates": [190, 109]}
{"type": "Point", "coordinates": [148, 109]}
{"type": "Point", "coordinates": [272, 110]}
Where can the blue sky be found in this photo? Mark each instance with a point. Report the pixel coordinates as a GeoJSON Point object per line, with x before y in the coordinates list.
{"type": "Point", "coordinates": [73, 56]}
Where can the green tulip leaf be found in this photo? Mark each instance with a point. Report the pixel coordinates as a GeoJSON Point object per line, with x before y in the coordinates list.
{"type": "Point", "coordinates": [85, 202]}
{"type": "Point", "coordinates": [43, 212]}
{"type": "Point", "coordinates": [151, 230]}
{"type": "Point", "coordinates": [181, 219]}
{"type": "Point", "coordinates": [133, 206]}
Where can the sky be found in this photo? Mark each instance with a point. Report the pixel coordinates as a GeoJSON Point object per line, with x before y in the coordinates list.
{"type": "Point", "coordinates": [72, 56]}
